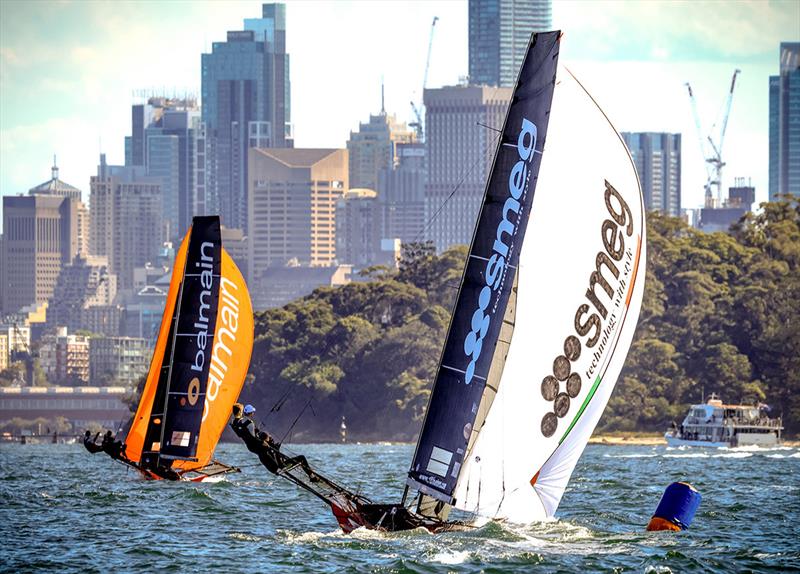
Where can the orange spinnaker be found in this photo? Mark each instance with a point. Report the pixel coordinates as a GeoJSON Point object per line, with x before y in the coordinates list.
{"type": "Point", "coordinates": [134, 441]}
{"type": "Point", "coordinates": [230, 360]}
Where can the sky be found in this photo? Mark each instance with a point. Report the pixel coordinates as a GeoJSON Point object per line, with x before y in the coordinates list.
{"type": "Point", "coordinates": [70, 70]}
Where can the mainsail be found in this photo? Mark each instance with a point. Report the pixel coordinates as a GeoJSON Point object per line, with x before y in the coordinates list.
{"type": "Point", "coordinates": [462, 379]}
{"type": "Point", "coordinates": [200, 360]}
{"type": "Point", "coordinates": [507, 451]}
{"type": "Point", "coordinates": [581, 281]}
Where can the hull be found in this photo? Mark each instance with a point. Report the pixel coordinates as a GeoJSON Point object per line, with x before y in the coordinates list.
{"type": "Point", "coordinates": [675, 442]}
{"type": "Point", "coordinates": [765, 440]}
{"type": "Point", "coordinates": [213, 472]}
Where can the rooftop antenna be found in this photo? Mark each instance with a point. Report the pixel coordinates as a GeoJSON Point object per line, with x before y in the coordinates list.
{"type": "Point", "coordinates": [383, 108]}
{"type": "Point", "coordinates": [55, 168]}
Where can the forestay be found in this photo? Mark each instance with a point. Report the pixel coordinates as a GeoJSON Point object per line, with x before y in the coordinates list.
{"type": "Point", "coordinates": [581, 281]}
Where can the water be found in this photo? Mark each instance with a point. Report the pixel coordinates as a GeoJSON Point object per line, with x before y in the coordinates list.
{"type": "Point", "coordinates": [64, 510]}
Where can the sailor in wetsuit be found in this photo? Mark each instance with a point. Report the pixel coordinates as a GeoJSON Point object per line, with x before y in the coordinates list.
{"type": "Point", "coordinates": [262, 443]}
{"type": "Point", "coordinates": [91, 443]}
{"type": "Point", "coordinates": [113, 448]}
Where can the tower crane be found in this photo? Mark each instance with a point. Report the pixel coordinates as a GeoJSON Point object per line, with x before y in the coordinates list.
{"type": "Point", "coordinates": [418, 124]}
{"type": "Point", "coordinates": [711, 149]}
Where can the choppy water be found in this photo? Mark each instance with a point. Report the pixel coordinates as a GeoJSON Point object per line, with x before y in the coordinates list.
{"type": "Point", "coordinates": [64, 510]}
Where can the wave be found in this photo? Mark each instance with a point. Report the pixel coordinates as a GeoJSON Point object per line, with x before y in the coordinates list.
{"type": "Point", "coordinates": [451, 557]}
{"type": "Point", "coordinates": [640, 455]}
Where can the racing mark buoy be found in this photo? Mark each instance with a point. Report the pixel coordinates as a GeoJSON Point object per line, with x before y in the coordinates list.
{"type": "Point", "coordinates": [677, 507]}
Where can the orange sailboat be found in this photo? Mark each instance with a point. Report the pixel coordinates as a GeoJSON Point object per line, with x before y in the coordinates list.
{"type": "Point", "coordinates": [198, 367]}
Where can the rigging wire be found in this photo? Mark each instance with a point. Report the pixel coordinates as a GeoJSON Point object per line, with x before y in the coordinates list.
{"type": "Point", "coordinates": [297, 418]}
{"type": "Point", "coordinates": [489, 147]}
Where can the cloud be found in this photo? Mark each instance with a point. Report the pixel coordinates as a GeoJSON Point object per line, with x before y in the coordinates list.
{"type": "Point", "coordinates": [698, 30]}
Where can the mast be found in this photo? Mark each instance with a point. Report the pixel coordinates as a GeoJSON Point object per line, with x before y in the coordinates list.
{"type": "Point", "coordinates": [487, 279]}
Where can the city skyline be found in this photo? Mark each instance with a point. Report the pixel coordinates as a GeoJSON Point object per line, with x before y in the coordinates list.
{"type": "Point", "coordinates": [72, 95]}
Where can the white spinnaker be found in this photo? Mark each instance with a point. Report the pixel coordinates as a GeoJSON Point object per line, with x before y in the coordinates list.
{"type": "Point", "coordinates": [565, 237]}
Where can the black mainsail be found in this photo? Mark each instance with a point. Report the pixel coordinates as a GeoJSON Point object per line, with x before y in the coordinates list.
{"type": "Point", "coordinates": [488, 277]}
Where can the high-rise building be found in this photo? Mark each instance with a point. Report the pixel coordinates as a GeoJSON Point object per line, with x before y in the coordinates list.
{"type": "Point", "coordinates": [460, 154]}
{"type": "Point", "coordinates": [374, 148]}
{"type": "Point", "coordinates": [245, 95]}
{"type": "Point", "coordinates": [401, 195]}
{"type": "Point", "coordinates": [126, 218]}
{"type": "Point", "coordinates": [292, 206]}
{"type": "Point", "coordinates": [235, 243]}
{"type": "Point", "coordinates": [168, 139]}
{"type": "Point", "coordinates": [65, 358]}
{"type": "Point", "coordinates": [117, 360]}
{"type": "Point", "coordinates": [499, 33]}
{"type": "Point", "coordinates": [784, 119]}
{"type": "Point", "coordinates": [658, 161]}
{"type": "Point", "coordinates": [83, 297]}
{"type": "Point", "coordinates": [42, 233]}
{"type": "Point", "coordinates": [358, 229]}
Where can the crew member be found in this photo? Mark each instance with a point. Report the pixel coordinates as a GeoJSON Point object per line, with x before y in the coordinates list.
{"type": "Point", "coordinates": [262, 444]}
{"type": "Point", "coordinates": [114, 448]}
{"type": "Point", "coordinates": [91, 444]}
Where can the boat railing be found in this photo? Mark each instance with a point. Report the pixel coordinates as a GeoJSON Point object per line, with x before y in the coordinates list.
{"type": "Point", "coordinates": [736, 421]}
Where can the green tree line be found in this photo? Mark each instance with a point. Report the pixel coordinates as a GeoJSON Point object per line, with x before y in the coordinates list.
{"type": "Point", "coordinates": [720, 314]}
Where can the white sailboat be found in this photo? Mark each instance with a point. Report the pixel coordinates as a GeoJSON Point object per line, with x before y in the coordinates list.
{"type": "Point", "coordinates": [539, 332]}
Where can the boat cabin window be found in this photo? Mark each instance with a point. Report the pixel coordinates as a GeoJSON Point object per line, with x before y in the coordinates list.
{"type": "Point", "coordinates": [699, 413]}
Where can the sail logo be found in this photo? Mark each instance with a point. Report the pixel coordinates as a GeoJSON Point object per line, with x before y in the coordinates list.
{"type": "Point", "coordinates": [207, 282]}
{"type": "Point", "coordinates": [613, 232]}
{"type": "Point", "coordinates": [229, 315]}
{"type": "Point", "coordinates": [505, 231]}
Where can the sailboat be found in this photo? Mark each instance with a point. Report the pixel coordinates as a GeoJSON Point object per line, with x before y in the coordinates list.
{"type": "Point", "coordinates": [199, 365]}
{"type": "Point", "coordinates": [539, 331]}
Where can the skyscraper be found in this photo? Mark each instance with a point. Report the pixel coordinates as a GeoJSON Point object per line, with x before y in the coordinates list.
{"type": "Point", "coordinates": [42, 233]}
{"type": "Point", "coordinates": [460, 153]}
{"type": "Point", "coordinates": [245, 94]}
{"type": "Point", "coordinates": [499, 32]}
{"type": "Point", "coordinates": [168, 139]}
{"type": "Point", "coordinates": [374, 147]}
{"type": "Point", "coordinates": [784, 117]}
{"type": "Point", "coordinates": [292, 207]}
{"type": "Point", "coordinates": [126, 218]}
{"type": "Point", "coordinates": [401, 195]}
{"type": "Point", "coordinates": [658, 160]}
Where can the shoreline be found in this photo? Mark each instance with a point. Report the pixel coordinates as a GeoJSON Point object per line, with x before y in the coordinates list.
{"type": "Point", "coordinates": [653, 440]}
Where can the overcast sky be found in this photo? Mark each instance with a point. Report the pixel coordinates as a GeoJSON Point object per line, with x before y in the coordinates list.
{"type": "Point", "coordinates": [69, 70]}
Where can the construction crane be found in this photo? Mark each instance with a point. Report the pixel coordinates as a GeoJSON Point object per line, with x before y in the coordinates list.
{"type": "Point", "coordinates": [711, 149]}
{"type": "Point", "coordinates": [418, 124]}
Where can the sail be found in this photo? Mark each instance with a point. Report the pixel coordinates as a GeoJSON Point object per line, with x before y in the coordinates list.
{"type": "Point", "coordinates": [135, 438]}
{"type": "Point", "coordinates": [488, 277]}
{"type": "Point", "coordinates": [190, 361]}
{"type": "Point", "coordinates": [581, 281]}
{"type": "Point", "coordinates": [229, 360]}
{"type": "Point", "coordinates": [215, 334]}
